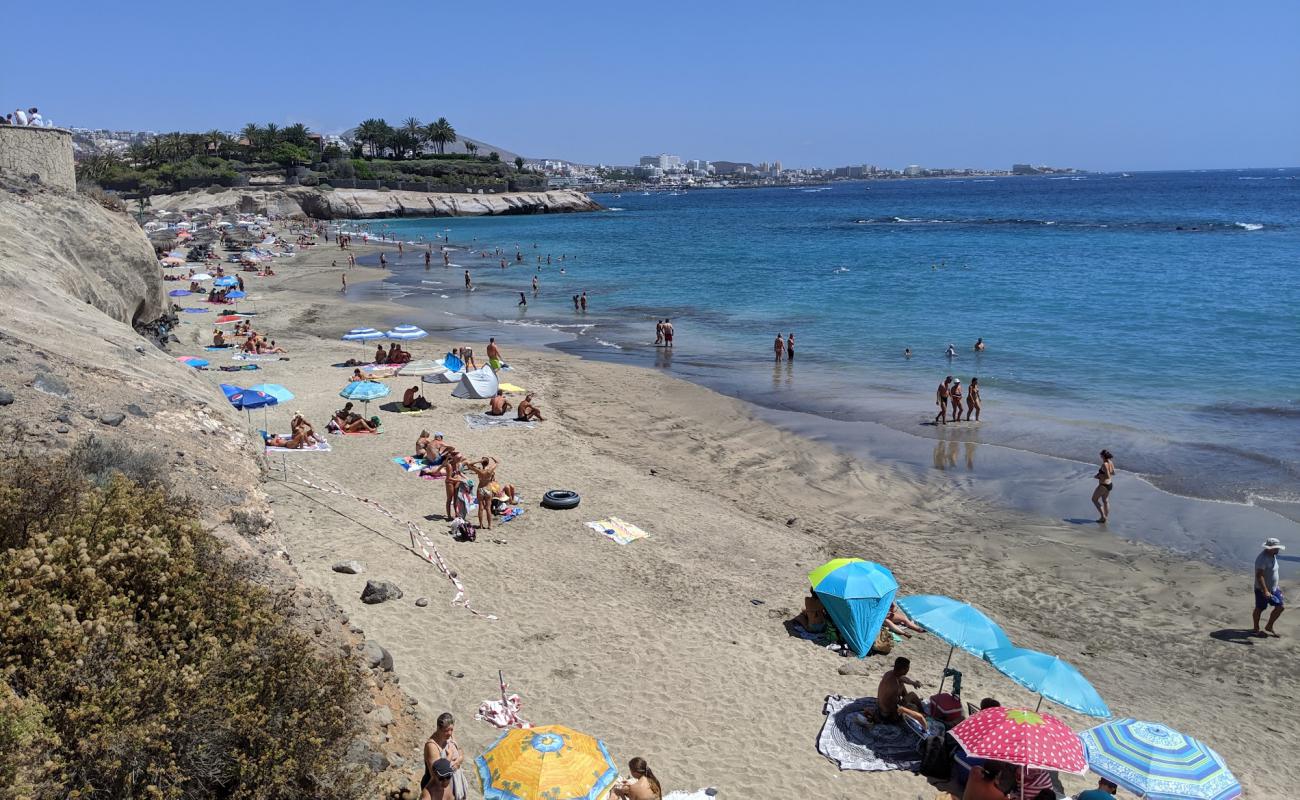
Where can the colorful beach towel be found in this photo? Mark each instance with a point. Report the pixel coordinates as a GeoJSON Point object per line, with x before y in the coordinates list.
{"type": "Point", "coordinates": [510, 388]}
{"type": "Point", "coordinates": [514, 512]}
{"type": "Point", "coordinates": [409, 464]}
{"type": "Point", "coordinates": [482, 422]}
{"type": "Point", "coordinates": [196, 310]}
{"type": "Point", "coordinates": [254, 357]}
{"type": "Point", "coordinates": [320, 447]}
{"type": "Point", "coordinates": [616, 530]}
{"type": "Point", "coordinates": [852, 744]}
{"type": "Point", "coordinates": [217, 348]}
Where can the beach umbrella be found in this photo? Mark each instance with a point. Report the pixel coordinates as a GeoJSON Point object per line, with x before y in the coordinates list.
{"type": "Point", "coordinates": [549, 762]}
{"type": "Point", "coordinates": [247, 399]}
{"type": "Point", "coordinates": [1050, 677]}
{"type": "Point", "coordinates": [421, 367]}
{"type": "Point", "coordinates": [405, 332]}
{"type": "Point", "coordinates": [228, 318]}
{"type": "Point", "coordinates": [857, 595]}
{"type": "Point", "coordinates": [228, 280]}
{"type": "Point", "coordinates": [1021, 737]}
{"type": "Point", "coordinates": [365, 391]}
{"type": "Point", "coordinates": [193, 361]}
{"type": "Point", "coordinates": [362, 335]}
{"type": "Point", "coordinates": [202, 276]}
{"type": "Point", "coordinates": [959, 624]}
{"type": "Point", "coordinates": [179, 293]}
{"type": "Point", "coordinates": [281, 394]}
{"type": "Point", "coordinates": [236, 294]}
{"type": "Point", "coordinates": [1157, 762]}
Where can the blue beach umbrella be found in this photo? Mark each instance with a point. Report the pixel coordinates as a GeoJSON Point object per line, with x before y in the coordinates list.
{"type": "Point", "coordinates": [1050, 677]}
{"type": "Point", "coordinates": [237, 294]}
{"type": "Point", "coordinates": [405, 332]}
{"type": "Point", "coordinates": [1157, 762]}
{"type": "Point", "coordinates": [365, 391]}
{"type": "Point", "coordinates": [247, 399]}
{"type": "Point", "coordinates": [959, 624]}
{"type": "Point", "coordinates": [228, 280]}
{"type": "Point", "coordinates": [281, 394]}
{"type": "Point", "coordinates": [856, 595]}
{"type": "Point", "coordinates": [179, 293]}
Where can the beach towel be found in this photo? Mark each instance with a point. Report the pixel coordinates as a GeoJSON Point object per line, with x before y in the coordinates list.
{"type": "Point", "coordinates": [852, 744]}
{"type": "Point", "coordinates": [503, 714]}
{"type": "Point", "coordinates": [239, 369]}
{"type": "Point", "coordinates": [514, 512]}
{"type": "Point", "coordinates": [618, 531]}
{"type": "Point", "coordinates": [482, 422]}
{"type": "Point", "coordinates": [510, 388]}
{"type": "Point", "coordinates": [255, 357]}
{"type": "Point", "coordinates": [216, 348]}
{"type": "Point", "coordinates": [411, 465]}
{"type": "Point", "coordinates": [192, 310]}
{"type": "Point", "coordinates": [320, 447]}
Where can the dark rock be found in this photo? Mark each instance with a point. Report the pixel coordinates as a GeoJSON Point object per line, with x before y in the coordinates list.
{"type": "Point", "coordinates": [112, 419]}
{"type": "Point", "coordinates": [349, 567]}
{"type": "Point", "coordinates": [455, 673]}
{"type": "Point", "coordinates": [6, 398]}
{"type": "Point", "coordinates": [376, 656]}
{"type": "Point", "coordinates": [65, 418]}
{"type": "Point", "coordinates": [421, 602]}
{"type": "Point", "coordinates": [376, 762]}
{"type": "Point", "coordinates": [135, 411]}
{"type": "Point", "coordinates": [49, 384]}
{"type": "Point", "coordinates": [380, 591]}
{"type": "Point", "coordinates": [62, 429]}
{"type": "Point", "coordinates": [89, 414]}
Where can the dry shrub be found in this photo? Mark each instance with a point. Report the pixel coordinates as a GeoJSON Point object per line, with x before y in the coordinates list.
{"type": "Point", "coordinates": [136, 662]}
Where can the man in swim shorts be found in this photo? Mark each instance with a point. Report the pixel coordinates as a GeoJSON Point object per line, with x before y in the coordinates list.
{"type": "Point", "coordinates": [1268, 591]}
{"type": "Point", "coordinates": [494, 352]}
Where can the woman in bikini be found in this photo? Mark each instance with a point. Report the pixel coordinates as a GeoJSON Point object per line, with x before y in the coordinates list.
{"type": "Point", "coordinates": [973, 400]}
{"type": "Point", "coordinates": [1105, 483]}
{"type": "Point", "coordinates": [954, 397]}
{"type": "Point", "coordinates": [442, 744]}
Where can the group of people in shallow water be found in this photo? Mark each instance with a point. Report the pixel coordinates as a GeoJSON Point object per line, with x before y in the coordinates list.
{"type": "Point", "coordinates": [949, 399]}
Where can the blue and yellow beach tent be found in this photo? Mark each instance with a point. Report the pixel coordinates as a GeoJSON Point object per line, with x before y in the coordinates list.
{"type": "Point", "coordinates": [857, 595]}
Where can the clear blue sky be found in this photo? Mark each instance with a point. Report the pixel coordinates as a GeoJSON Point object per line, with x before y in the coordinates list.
{"type": "Point", "coordinates": [1099, 85]}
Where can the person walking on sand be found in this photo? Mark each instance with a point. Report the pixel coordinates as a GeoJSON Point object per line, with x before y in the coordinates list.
{"type": "Point", "coordinates": [1105, 483]}
{"type": "Point", "coordinates": [778, 347]}
{"type": "Point", "coordinates": [1268, 591]}
{"type": "Point", "coordinates": [789, 347]}
{"type": "Point", "coordinates": [973, 400]}
{"type": "Point", "coordinates": [494, 353]}
{"type": "Point", "coordinates": [344, 277]}
{"type": "Point", "coordinates": [941, 400]}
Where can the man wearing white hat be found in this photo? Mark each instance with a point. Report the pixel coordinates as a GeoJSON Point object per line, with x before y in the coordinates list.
{"type": "Point", "coordinates": [1267, 591]}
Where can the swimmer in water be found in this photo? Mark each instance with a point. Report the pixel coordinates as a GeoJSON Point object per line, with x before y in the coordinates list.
{"type": "Point", "coordinates": [979, 345]}
{"type": "Point", "coordinates": [952, 351]}
{"type": "Point", "coordinates": [907, 352]}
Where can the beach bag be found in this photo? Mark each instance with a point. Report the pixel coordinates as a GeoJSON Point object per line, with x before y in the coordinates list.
{"type": "Point", "coordinates": [936, 757]}
{"type": "Point", "coordinates": [884, 643]}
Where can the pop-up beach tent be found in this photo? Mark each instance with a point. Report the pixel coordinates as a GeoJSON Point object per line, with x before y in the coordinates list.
{"type": "Point", "coordinates": [479, 384]}
{"type": "Point", "coordinates": [857, 595]}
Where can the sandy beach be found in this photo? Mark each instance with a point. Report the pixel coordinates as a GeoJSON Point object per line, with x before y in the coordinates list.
{"type": "Point", "coordinates": [674, 647]}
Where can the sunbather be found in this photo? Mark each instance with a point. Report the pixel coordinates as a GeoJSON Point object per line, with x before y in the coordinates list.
{"type": "Point", "coordinates": [643, 785]}
{"type": "Point", "coordinates": [218, 338]}
{"type": "Point", "coordinates": [498, 405]}
{"type": "Point", "coordinates": [357, 376]}
{"type": "Point", "coordinates": [343, 414]}
{"type": "Point", "coordinates": [381, 357]}
{"type": "Point", "coordinates": [813, 616]}
{"type": "Point", "coordinates": [899, 623]}
{"type": "Point", "coordinates": [300, 423]}
{"type": "Point", "coordinates": [359, 424]}
{"type": "Point", "coordinates": [424, 445]}
{"type": "Point", "coordinates": [412, 402]}
{"type": "Point", "coordinates": [295, 442]}
{"type": "Point", "coordinates": [528, 412]}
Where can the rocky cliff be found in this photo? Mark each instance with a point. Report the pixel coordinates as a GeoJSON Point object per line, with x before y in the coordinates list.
{"type": "Point", "coordinates": [318, 203]}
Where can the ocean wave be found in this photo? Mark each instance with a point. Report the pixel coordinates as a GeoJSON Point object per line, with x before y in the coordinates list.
{"type": "Point", "coordinates": [615, 208]}
{"type": "Point", "coordinates": [1029, 222]}
{"type": "Point", "coordinates": [1245, 410]}
{"type": "Point", "coordinates": [608, 344]}
{"type": "Point", "coordinates": [580, 327]}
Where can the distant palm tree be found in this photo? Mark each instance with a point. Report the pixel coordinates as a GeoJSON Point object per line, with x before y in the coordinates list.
{"type": "Point", "coordinates": [519, 163]}
{"type": "Point", "coordinates": [252, 136]}
{"type": "Point", "coordinates": [376, 134]}
{"type": "Point", "coordinates": [296, 134]}
{"type": "Point", "coordinates": [470, 147]}
{"type": "Point", "coordinates": [441, 134]}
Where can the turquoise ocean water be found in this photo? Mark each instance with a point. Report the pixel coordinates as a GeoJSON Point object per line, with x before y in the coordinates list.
{"type": "Point", "coordinates": [1157, 315]}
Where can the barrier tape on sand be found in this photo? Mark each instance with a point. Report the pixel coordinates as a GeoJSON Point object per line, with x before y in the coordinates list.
{"type": "Point", "coordinates": [419, 541]}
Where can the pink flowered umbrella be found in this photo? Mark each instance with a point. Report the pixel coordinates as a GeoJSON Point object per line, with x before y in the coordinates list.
{"type": "Point", "coordinates": [1022, 737]}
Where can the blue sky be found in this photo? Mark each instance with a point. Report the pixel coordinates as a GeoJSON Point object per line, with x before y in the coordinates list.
{"type": "Point", "coordinates": [1099, 85]}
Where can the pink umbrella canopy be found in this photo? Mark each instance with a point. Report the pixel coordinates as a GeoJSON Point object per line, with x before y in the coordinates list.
{"type": "Point", "coordinates": [1022, 737]}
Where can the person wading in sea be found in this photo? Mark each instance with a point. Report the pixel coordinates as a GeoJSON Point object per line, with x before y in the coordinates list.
{"type": "Point", "coordinates": [941, 400]}
{"type": "Point", "coordinates": [778, 347]}
{"type": "Point", "coordinates": [1105, 483]}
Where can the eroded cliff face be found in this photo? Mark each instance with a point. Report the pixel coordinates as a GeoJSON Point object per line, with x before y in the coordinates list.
{"type": "Point", "coordinates": [315, 203]}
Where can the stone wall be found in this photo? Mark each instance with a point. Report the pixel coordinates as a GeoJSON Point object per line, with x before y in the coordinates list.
{"type": "Point", "coordinates": [44, 152]}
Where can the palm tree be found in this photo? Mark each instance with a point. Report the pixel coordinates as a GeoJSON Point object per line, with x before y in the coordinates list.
{"type": "Point", "coordinates": [375, 134]}
{"type": "Point", "coordinates": [519, 163]}
{"type": "Point", "coordinates": [470, 147]}
{"type": "Point", "coordinates": [441, 134]}
{"type": "Point", "coordinates": [296, 134]}
{"type": "Point", "coordinates": [403, 141]}
{"type": "Point", "coordinates": [252, 135]}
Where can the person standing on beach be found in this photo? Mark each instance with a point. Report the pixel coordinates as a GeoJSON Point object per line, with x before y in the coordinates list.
{"type": "Point", "coordinates": [789, 347]}
{"type": "Point", "coordinates": [954, 399]}
{"type": "Point", "coordinates": [941, 400]}
{"type": "Point", "coordinates": [344, 276]}
{"type": "Point", "coordinates": [1268, 592]}
{"type": "Point", "coordinates": [778, 347]}
{"type": "Point", "coordinates": [668, 333]}
{"type": "Point", "coordinates": [1105, 483]}
{"type": "Point", "coordinates": [973, 400]}
{"type": "Point", "coordinates": [494, 352]}
{"type": "Point", "coordinates": [469, 284]}
{"type": "Point", "coordinates": [442, 746]}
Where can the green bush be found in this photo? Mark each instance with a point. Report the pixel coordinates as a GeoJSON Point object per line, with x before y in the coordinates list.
{"type": "Point", "coordinates": [137, 661]}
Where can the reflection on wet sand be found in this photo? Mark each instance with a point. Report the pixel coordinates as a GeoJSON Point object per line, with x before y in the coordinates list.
{"type": "Point", "coordinates": [946, 450]}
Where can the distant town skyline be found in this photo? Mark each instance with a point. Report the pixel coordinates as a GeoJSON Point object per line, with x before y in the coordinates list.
{"type": "Point", "coordinates": [1107, 86]}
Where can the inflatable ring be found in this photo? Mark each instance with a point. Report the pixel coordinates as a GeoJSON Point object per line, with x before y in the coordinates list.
{"type": "Point", "coordinates": [560, 499]}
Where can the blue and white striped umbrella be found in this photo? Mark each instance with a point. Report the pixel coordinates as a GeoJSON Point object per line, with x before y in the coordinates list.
{"type": "Point", "coordinates": [362, 335]}
{"type": "Point", "coordinates": [407, 332]}
{"type": "Point", "coordinates": [364, 391]}
{"type": "Point", "coordinates": [1157, 762]}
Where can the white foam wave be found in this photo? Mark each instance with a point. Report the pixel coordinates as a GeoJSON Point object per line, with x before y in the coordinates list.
{"type": "Point", "coordinates": [608, 344]}
{"type": "Point", "coordinates": [615, 208]}
{"type": "Point", "coordinates": [1250, 226]}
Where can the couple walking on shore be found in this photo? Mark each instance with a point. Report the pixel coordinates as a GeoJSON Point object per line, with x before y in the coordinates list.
{"type": "Point", "coordinates": [949, 394]}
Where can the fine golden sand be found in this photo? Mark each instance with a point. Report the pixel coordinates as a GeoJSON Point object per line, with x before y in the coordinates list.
{"type": "Point", "coordinates": [673, 647]}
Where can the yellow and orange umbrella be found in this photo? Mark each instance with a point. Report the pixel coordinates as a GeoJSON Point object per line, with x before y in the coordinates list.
{"type": "Point", "coordinates": [550, 762]}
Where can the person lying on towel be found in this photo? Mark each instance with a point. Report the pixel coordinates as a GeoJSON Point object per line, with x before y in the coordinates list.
{"type": "Point", "coordinates": [296, 442]}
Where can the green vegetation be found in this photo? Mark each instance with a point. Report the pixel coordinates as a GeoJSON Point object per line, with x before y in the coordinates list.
{"type": "Point", "coordinates": [137, 661]}
{"type": "Point", "coordinates": [376, 150]}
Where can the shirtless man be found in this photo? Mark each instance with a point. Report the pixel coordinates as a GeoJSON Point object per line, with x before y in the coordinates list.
{"type": "Point", "coordinates": [437, 781]}
{"type": "Point", "coordinates": [779, 347]}
{"type": "Point", "coordinates": [668, 333]}
{"type": "Point", "coordinates": [789, 347]}
{"type": "Point", "coordinates": [494, 354]}
{"type": "Point", "coordinates": [427, 258]}
{"type": "Point", "coordinates": [412, 401]}
{"type": "Point", "coordinates": [941, 400]}
{"type": "Point", "coordinates": [381, 356]}
{"type": "Point", "coordinates": [583, 301]}
{"type": "Point", "coordinates": [498, 405]}
{"type": "Point", "coordinates": [469, 284]}
{"type": "Point", "coordinates": [979, 345]}
{"type": "Point", "coordinates": [527, 412]}
{"type": "Point", "coordinates": [894, 701]}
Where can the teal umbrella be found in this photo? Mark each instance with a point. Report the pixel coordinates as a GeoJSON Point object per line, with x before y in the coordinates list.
{"type": "Point", "coordinates": [365, 391]}
{"type": "Point", "coordinates": [1050, 677]}
{"type": "Point", "coordinates": [857, 595]}
{"type": "Point", "coordinates": [959, 624]}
